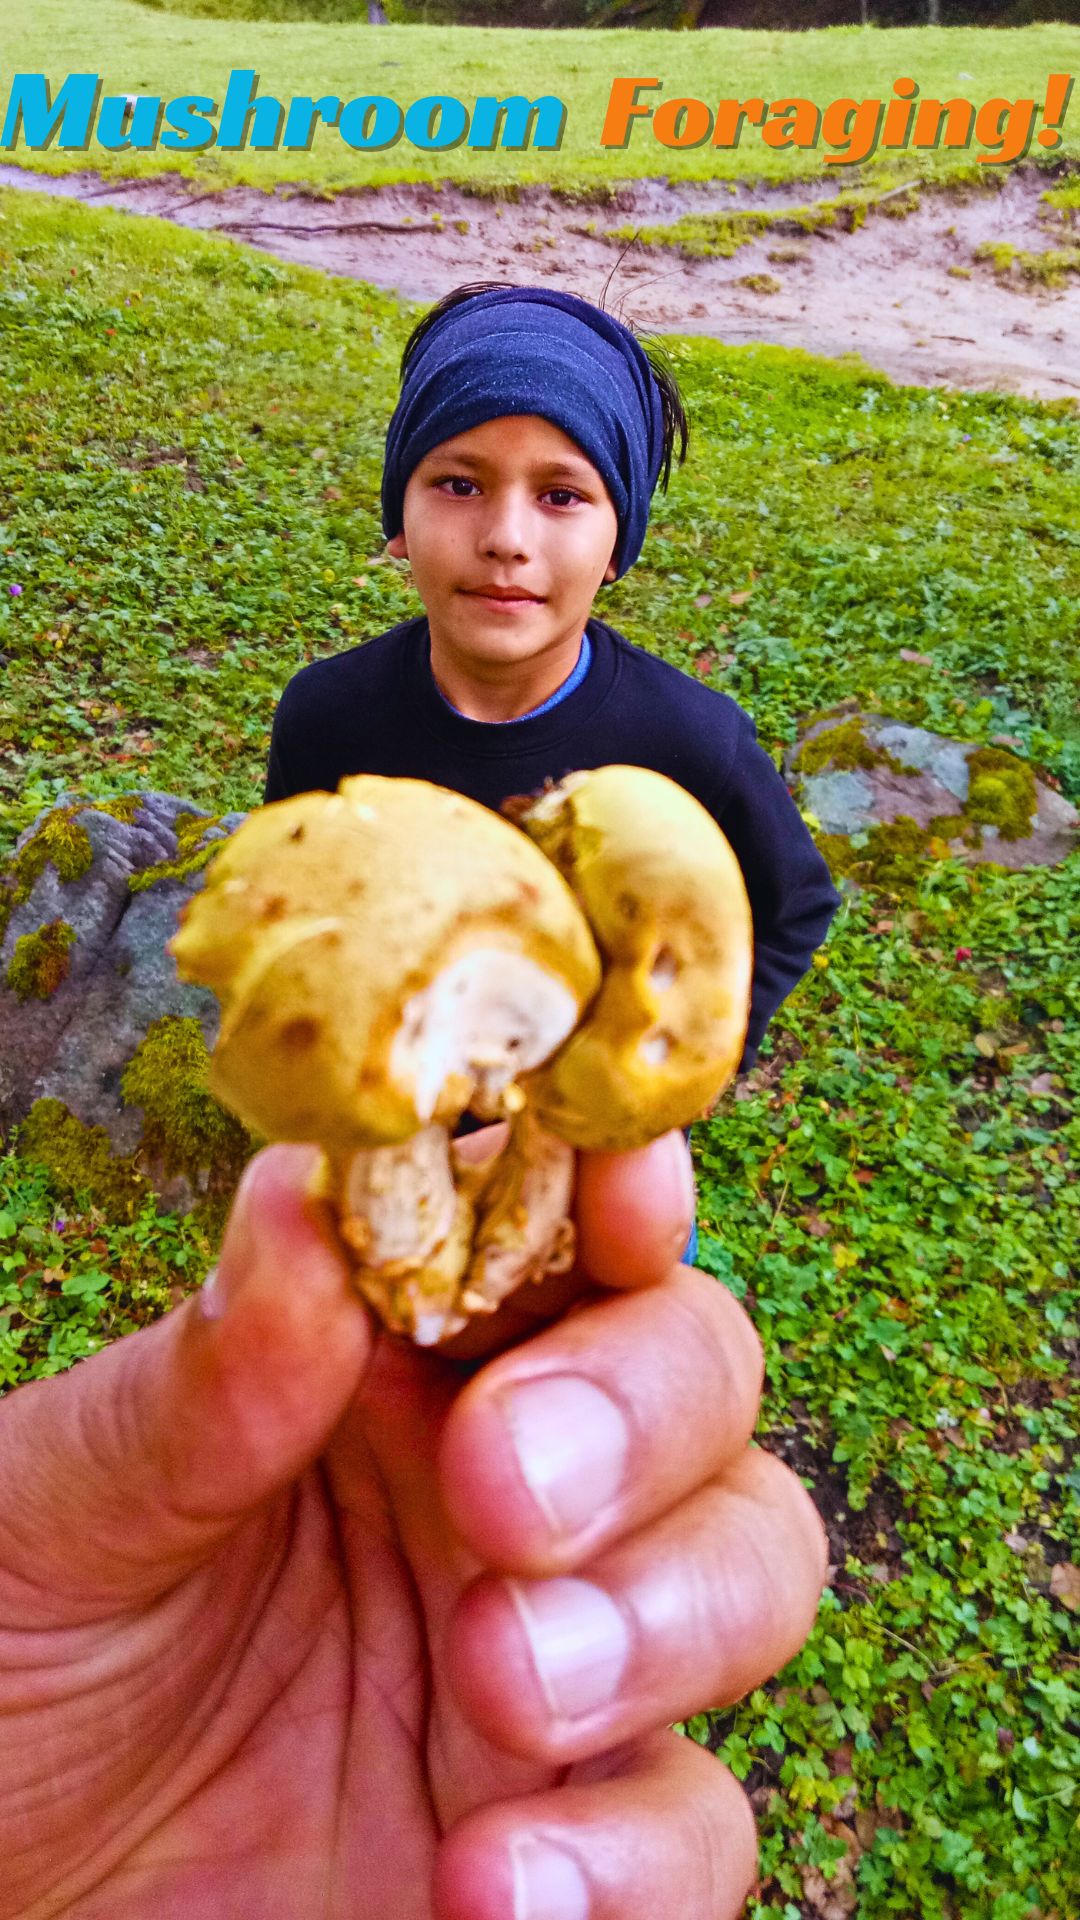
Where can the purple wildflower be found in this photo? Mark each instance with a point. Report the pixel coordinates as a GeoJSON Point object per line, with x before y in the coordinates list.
{"type": "Point", "coordinates": [15, 592]}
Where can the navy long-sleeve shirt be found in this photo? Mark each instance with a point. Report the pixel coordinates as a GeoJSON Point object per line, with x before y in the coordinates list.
{"type": "Point", "coordinates": [377, 709]}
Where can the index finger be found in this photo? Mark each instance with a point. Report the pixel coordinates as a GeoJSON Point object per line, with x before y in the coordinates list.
{"type": "Point", "coordinates": [634, 1212]}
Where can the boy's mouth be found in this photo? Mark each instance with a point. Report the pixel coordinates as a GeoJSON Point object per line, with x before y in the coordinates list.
{"type": "Point", "coordinates": [503, 596]}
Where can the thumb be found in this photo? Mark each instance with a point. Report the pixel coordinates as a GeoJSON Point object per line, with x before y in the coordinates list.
{"type": "Point", "coordinates": [136, 1465]}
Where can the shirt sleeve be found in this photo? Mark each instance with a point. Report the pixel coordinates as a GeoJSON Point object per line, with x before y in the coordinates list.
{"type": "Point", "coordinates": [792, 897]}
{"type": "Point", "coordinates": [280, 781]}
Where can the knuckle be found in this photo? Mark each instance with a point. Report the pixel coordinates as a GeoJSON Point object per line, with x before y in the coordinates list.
{"type": "Point", "coordinates": [723, 1846]}
{"type": "Point", "coordinates": [722, 1338]}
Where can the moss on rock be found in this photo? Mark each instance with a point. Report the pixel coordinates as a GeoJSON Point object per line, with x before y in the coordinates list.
{"type": "Point", "coordinates": [892, 856]}
{"type": "Point", "coordinates": [40, 961]}
{"type": "Point", "coordinates": [191, 852]}
{"type": "Point", "coordinates": [845, 745]}
{"type": "Point", "coordinates": [60, 838]}
{"type": "Point", "coordinates": [842, 747]}
{"type": "Point", "coordinates": [185, 1132]}
{"type": "Point", "coordinates": [184, 1127]}
{"type": "Point", "coordinates": [1002, 792]}
{"type": "Point", "coordinates": [80, 1160]}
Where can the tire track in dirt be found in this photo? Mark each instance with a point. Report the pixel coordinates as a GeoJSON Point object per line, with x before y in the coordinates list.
{"type": "Point", "coordinates": [906, 293]}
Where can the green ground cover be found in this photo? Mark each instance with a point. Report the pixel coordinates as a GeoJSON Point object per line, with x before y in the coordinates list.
{"type": "Point", "coordinates": [171, 48]}
{"type": "Point", "coordinates": [189, 450]}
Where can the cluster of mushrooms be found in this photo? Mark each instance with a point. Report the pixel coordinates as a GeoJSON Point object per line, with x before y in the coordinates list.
{"type": "Point", "coordinates": [393, 956]}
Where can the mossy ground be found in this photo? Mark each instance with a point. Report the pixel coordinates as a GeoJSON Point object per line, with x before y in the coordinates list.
{"type": "Point", "coordinates": [896, 1195]}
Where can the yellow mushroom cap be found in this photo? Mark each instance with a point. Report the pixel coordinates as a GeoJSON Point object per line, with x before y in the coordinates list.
{"type": "Point", "coordinates": [665, 898]}
{"type": "Point", "coordinates": [384, 957]}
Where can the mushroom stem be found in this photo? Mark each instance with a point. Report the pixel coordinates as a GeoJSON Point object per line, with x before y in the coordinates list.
{"type": "Point", "coordinates": [435, 1237]}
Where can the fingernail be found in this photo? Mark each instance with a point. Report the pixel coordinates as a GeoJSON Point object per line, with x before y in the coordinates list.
{"type": "Point", "coordinates": [684, 1174]}
{"type": "Point", "coordinates": [548, 1883]}
{"type": "Point", "coordinates": [211, 1303]}
{"type": "Point", "coordinates": [571, 1445]}
{"type": "Point", "coordinates": [578, 1640]}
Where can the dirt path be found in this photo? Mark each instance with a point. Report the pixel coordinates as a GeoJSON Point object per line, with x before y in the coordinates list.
{"type": "Point", "coordinates": [884, 291]}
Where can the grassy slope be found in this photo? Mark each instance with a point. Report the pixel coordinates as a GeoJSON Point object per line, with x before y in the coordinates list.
{"type": "Point", "coordinates": [143, 50]}
{"type": "Point", "coordinates": [189, 446]}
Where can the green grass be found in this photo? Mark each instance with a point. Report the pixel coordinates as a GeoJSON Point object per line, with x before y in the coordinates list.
{"type": "Point", "coordinates": [1050, 267]}
{"type": "Point", "coordinates": [718, 235]}
{"type": "Point", "coordinates": [172, 49]}
{"type": "Point", "coordinates": [189, 455]}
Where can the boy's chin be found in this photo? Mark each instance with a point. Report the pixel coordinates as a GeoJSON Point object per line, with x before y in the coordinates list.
{"type": "Point", "coordinates": [486, 636]}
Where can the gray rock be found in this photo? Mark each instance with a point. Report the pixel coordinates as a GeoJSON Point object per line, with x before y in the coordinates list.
{"type": "Point", "coordinates": [929, 779]}
{"type": "Point", "coordinates": [946, 761]}
{"type": "Point", "coordinates": [74, 1045]}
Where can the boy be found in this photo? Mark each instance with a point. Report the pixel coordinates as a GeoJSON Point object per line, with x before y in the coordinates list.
{"type": "Point", "coordinates": [529, 436]}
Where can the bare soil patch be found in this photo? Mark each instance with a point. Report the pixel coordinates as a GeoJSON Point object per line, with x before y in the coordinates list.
{"type": "Point", "coordinates": [884, 291]}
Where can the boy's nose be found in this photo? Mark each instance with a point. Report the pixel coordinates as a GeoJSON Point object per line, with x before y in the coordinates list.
{"type": "Point", "coordinates": [504, 535]}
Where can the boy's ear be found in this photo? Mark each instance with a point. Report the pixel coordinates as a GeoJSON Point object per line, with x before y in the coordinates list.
{"type": "Point", "coordinates": [397, 547]}
{"type": "Point", "coordinates": [610, 571]}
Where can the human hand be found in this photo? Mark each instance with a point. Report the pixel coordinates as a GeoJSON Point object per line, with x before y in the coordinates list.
{"type": "Point", "coordinates": [268, 1578]}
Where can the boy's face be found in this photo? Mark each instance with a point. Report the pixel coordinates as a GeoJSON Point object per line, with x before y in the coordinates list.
{"type": "Point", "coordinates": [509, 530]}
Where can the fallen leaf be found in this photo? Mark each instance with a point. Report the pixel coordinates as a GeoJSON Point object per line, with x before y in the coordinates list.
{"type": "Point", "coordinates": [1065, 1585]}
{"type": "Point", "coordinates": [740, 599]}
{"type": "Point", "coordinates": [916, 659]}
{"type": "Point", "coordinates": [830, 1899]}
{"type": "Point", "coordinates": [986, 1045]}
{"type": "Point", "coordinates": [866, 1826]}
{"type": "Point", "coordinates": [1016, 1543]}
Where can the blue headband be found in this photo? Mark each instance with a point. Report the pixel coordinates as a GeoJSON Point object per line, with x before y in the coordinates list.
{"type": "Point", "coordinates": [520, 350]}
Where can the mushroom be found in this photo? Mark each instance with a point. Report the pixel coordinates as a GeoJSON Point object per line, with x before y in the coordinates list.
{"type": "Point", "coordinates": [393, 955]}
{"type": "Point", "coordinates": [664, 895]}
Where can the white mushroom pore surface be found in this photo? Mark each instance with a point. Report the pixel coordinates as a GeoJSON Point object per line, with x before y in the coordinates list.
{"type": "Point", "coordinates": [394, 955]}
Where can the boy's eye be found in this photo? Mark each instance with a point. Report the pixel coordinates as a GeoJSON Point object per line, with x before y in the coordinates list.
{"type": "Point", "coordinates": [562, 496]}
{"type": "Point", "coordinates": [457, 485]}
